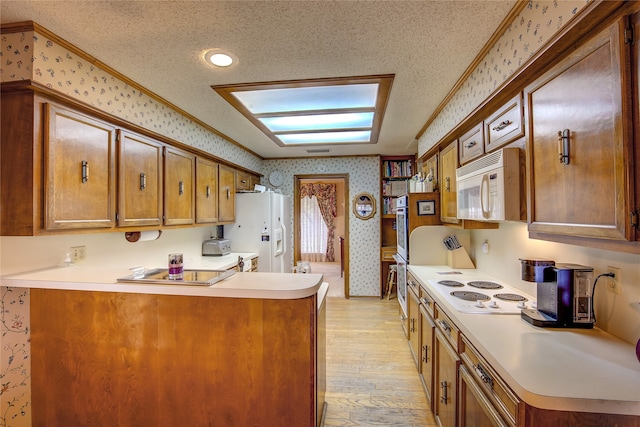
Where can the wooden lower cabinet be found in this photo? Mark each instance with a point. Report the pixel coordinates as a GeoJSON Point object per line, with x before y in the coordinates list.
{"type": "Point", "coordinates": [427, 332]}
{"type": "Point", "coordinates": [475, 410]}
{"type": "Point", "coordinates": [414, 324]}
{"type": "Point", "coordinates": [446, 382]}
{"type": "Point", "coordinates": [109, 359]}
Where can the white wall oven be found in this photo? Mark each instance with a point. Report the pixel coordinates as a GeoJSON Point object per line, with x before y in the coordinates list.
{"type": "Point", "coordinates": [402, 257]}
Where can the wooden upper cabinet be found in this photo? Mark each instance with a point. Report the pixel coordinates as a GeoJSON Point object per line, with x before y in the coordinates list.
{"type": "Point", "coordinates": [448, 196]}
{"type": "Point", "coordinates": [226, 194]}
{"type": "Point", "coordinates": [140, 180]}
{"type": "Point", "coordinates": [179, 188]}
{"type": "Point", "coordinates": [505, 125]}
{"type": "Point", "coordinates": [79, 153]}
{"type": "Point", "coordinates": [577, 110]}
{"type": "Point", "coordinates": [206, 191]}
{"type": "Point", "coordinates": [472, 144]}
{"type": "Point", "coordinates": [243, 181]}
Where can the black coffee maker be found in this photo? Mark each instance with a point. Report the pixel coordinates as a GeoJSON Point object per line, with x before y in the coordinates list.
{"type": "Point", "coordinates": [563, 294]}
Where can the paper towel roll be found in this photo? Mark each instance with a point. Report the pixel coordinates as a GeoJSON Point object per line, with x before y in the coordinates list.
{"type": "Point", "coordinates": [142, 236]}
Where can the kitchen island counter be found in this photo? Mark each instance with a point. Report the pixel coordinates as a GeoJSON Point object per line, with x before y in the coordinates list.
{"type": "Point", "coordinates": [104, 353]}
{"type": "Point", "coordinates": [577, 370]}
{"type": "Point", "coordinates": [240, 285]}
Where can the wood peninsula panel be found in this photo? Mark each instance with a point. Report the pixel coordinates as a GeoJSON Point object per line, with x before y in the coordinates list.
{"type": "Point", "coordinates": [105, 358]}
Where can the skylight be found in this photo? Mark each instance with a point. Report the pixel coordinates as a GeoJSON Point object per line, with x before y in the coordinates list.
{"type": "Point", "coordinates": [314, 112]}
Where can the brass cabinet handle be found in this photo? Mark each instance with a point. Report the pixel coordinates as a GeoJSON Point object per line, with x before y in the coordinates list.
{"type": "Point", "coordinates": [85, 171]}
{"type": "Point", "coordinates": [502, 125]}
{"type": "Point", "coordinates": [143, 181]}
{"type": "Point", "coordinates": [563, 146]}
{"type": "Point", "coordinates": [181, 188]}
{"type": "Point", "coordinates": [443, 397]}
{"type": "Point", "coordinates": [445, 326]}
{"type": "Point", "coordinates": [486, 378]}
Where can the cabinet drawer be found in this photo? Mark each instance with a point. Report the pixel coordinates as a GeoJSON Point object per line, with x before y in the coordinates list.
{"type": "Point", "coordinates": [472, 144]}
{"type": "Point", "coordinates": [427, 301]}
{"type": "Point", "coordinates": [243, 181]}
{"type": "Point", "coordinates": [504, 400]}
{"type": "Point", "coordinates": [505, 125]}
{"type": "Point", "coordinates": [446, 325]}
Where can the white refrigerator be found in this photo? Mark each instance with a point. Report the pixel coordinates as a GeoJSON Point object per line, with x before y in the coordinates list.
{"type": "Point", "coordinates": [262, 226]}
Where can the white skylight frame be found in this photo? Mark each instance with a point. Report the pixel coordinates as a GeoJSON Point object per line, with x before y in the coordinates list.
{"type": "Point", "coordinates": [330, 111]}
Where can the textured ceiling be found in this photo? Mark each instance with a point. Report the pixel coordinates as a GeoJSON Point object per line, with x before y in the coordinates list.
{"type": "Point", "coordinates": [427, 45]}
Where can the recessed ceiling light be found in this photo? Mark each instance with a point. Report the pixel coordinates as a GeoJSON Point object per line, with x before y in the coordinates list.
{"type": "Point", "coordinates": [220, 58]}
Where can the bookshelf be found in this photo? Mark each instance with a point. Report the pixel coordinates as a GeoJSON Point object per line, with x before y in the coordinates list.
{"type": "Point", "coordinates": [395, 172]}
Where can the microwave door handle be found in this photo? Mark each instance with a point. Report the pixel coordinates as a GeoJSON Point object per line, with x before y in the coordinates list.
{"type": "Point", "coordinates": [484, 192]}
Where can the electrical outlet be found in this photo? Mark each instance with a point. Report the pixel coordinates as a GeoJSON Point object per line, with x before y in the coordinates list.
{"type": "Point", "coordinates": [78, 253]}
{"type": "Point", "coordinates": [614, 283]}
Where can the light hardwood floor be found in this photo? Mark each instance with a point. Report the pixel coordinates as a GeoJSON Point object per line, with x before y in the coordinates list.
{"type": "Point", "coordinates": [371, 376]}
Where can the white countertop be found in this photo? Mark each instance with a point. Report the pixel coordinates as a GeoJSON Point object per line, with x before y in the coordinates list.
{"type": "Point", "coordinates": [240, 285]}
{"type": "Point", "coordinates": [584, 370]}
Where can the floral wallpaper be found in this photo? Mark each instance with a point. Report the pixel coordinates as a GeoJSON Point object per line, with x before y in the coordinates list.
{"type": "Point", "coordinates": [535, 25]}
{"type": "Point", "coordinates": [364, 236]}
{"type": "Point", "coordinates": [15, 369]}
{"type": "Point", "coordinates": [30, 55]}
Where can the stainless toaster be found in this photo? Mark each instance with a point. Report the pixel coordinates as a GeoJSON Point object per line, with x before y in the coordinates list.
{"type": "Point", "coordinates": [216, 247]}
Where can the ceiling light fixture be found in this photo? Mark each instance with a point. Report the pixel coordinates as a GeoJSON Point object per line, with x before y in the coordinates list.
{"type": "Point", "coordinates": [220, 58]}
{"type": "Point", "coordinates": [343, 110]}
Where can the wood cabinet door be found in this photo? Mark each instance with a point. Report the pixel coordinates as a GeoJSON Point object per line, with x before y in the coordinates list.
{"type": "Point", "coordinates": [446, 380]}
{"type": "Point", "coordinates": [140, 180]}
{"type": "Point", "coordinates": [586, 195]}
{"type": "Point", "coordinates": [243, 181]}
{"type": "Point", "coordinates": [427, 331]}
{"type": "Point", "coordinates": [79, 170]}
{"type": "Point", "coordinates": [206, 191]}
{"type": "Point", "coordinates": [635, 173]}
{"type": "Point", "coordinates": [448, 196]}
{"type": "Point", "coordinates": [179, 177]}
{"type": "Point", "coordinates": [226, 194]}
{"type": "Point", "coordinates": [414, 325]}
{"type": "Point", "coordinates": [475, 409]}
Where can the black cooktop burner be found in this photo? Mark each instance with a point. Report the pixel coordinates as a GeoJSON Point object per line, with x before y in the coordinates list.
{"type": "Point", "coordinates": [510, 297]}
{"type": "Point", "coordinates": [470, 296]}
{"type": "Point", "coordinates": [484, 285]}
{"type": "Point", "coordinates": [451, 283]}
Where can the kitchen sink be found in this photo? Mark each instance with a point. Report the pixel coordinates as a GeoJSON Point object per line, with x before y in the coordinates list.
{"type": "Point", "coordinates": [190, 277]}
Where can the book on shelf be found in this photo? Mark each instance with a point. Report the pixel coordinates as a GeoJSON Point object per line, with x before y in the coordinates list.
{"type": "Point", "coordinates": [397, 168]}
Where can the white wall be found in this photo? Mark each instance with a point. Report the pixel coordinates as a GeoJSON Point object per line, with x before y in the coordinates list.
{"type": "Point", "coordinates": [617, 314]}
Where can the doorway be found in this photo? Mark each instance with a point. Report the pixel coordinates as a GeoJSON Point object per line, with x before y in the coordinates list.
{"type": "Point", "coordinates": [336, 270]}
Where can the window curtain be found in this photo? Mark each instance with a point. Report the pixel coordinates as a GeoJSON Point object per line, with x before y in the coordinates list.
{"type": "Point", "coordinates": [325, 194]}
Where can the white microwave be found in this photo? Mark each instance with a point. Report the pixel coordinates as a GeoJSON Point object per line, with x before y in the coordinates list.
{"type": "Point", "coordinates": [488, 189]}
